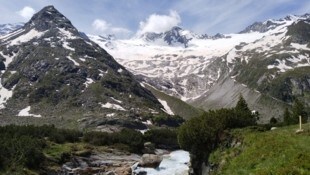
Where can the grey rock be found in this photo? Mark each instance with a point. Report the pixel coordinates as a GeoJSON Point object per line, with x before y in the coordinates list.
{"type": "Point", "coordinates": [150, 160]}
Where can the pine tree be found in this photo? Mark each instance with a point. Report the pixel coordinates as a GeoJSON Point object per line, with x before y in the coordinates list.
{"type": "Point", "coordinates": [242, 105]}
{"type": "Point", "coordinates": [298, 109]}
{"type": "Point", "coordinates": [287, 117]}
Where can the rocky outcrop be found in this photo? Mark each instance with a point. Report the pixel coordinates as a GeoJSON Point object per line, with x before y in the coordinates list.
{"type": "Point", "coordinates": [150, 160]}
{"type": "Point", "coordinates": [113, 163]}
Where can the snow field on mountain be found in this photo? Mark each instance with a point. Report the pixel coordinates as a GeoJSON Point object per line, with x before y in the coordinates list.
{"type": "Point", "coordinates": [166, 109]}
{"type": "Point", "coordinates": [25, 113]}
{"type": "Point", "coordinates": [112, 106]}
{"type": "Point", "coordinates": [174, 64]}
{"type": "Point", "coordinates": [33, 33]}
{"type": "Point", "coordinates": [5, 94]}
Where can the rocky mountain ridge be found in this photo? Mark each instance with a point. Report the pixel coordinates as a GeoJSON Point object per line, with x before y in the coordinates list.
{"type": "Point", "coordinates": [52, 74]}
{"type": "Point", "coordinates": [176, 36]}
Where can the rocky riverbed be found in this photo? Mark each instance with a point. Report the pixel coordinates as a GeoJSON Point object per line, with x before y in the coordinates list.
{"type": "Point", "coordinates": [121, 163]}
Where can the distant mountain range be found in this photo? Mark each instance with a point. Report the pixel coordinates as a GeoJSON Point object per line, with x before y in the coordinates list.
{"type": "Point", "coordinates": [268, 63]}
{"type": "Point", "coordinates": [7, 28]}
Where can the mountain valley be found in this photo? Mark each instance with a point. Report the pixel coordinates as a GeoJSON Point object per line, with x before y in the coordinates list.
{"type": "Point", "coordinates": [172, 102]}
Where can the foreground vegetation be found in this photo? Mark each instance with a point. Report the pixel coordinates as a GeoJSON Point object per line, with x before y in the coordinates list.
{"type": "Point", "coordinates": [227, 140]}
{"type": "Point", "coordinates": [255, 151]}
{"type": "Point", "coordinates": [212, 138]}
{"type": "Point", "coordinates": [35, 149]}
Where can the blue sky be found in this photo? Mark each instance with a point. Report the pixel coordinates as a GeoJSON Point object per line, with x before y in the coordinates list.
{"type": "Point", "coordinates": [126, 18]}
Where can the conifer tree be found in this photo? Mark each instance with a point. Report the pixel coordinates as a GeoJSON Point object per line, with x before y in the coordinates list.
{"type": "Point", "coordinates": [242, 105]}
{"type": "Point", "coordinates": [298, 109]}
{"type": "Point", "coordinates": [287, 117]}
{"type": "Point", "coordinates": [244, 113]}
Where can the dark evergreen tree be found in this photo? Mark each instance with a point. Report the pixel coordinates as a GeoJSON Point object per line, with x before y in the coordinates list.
{"type": "Point", "coordinates": [244, 113]}
{"type": "Point", "coordinates": [299, 109]}
{"type": "Point", "coordinates": [287, 118]}
{"type": "Point", "coordinates": [242, 105]}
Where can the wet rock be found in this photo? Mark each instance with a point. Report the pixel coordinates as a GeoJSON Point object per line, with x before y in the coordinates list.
{"type": "Point", "coordinates": [150, 160]}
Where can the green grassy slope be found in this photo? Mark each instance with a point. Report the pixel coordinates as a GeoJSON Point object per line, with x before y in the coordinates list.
{"type": "Point", "coordinates": [276, 152]}
{"type": "Point", "coordinates": [178, 106]}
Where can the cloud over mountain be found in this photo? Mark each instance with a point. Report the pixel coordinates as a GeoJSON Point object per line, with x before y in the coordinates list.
{"type": "Point", "coordinates": [103, 27]}
{"type": "Point", "coordinates": [26, 12]}
{"type": "Point", "coordinates": [159, 23]}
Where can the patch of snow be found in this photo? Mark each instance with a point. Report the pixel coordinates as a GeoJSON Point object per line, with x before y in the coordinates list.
{"type": "Point", "coordinates": [48, 39]}
{"type": "Point", "coordinates": [26, 37]}
{"type": "Point", "coordinates": [118, 101]}
{"type": "Point", "coordinates": [281, 66]}
{"type": "Point", "coordinates": [231, 56]}
{"type": "Point", "coordinates": [300, 46]}
{"type": "Point", "coordinates": [111, 115]}
{"type": "Point", "coordinates": [5, 94]}
{"type": "Point", "coordinates": [71, 59]}
{"type": "Point", "coordinates": [66, 46]}
{"type": "Point", "coordinates": [56, 58]}
{"type": "Point", "coordinates": [142, 85]}
{"type": "Point", "coordinates": [102, 73]}
{"type": "Point", "coordinates": [143, 131]}
{"type": "Point", "coordinates": [166, 109]}
{"type": "Point", "coordinates": [148, 122]}
{"type": "Point", "coordinates": [25, 113]}
{"type": "Point", "coordinates": [82, 59]}
{"type": "Point", "coordinates": [120, 70]}
{"type": "Point", "coordinates": [8, 59]}
{"type": "Point", "coordinates": [88, 82]}
{"type": "Point", "coordinates": [112, 106]}
{"type": "Point", "coordinates": [67, 34]}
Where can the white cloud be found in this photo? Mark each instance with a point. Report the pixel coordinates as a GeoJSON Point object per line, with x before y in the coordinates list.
{"type": "Point", "coordinates": [27, 12]}
{"type": "Point", "coordinates": [100, 25]}
{"type": "Point", "coordinates": [103, 27]}
{"type": "Point", "coordinates": [159, 23]}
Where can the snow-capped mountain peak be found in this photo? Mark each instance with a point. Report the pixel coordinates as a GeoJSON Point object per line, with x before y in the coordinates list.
{"type": "Point", "coordinates": [271, 24]}
{"type": "Point", "coordinates": [175, 36]}
{"type": "Point", "coordinates": [49, 18]}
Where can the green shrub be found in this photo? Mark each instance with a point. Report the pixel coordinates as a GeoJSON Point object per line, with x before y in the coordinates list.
{"type": "Point", "coordinates": [163, 138]}
{"type": "Point", "coordinates": [133, 139]}
{"type": "Point", "coordinates": [163, 119]}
